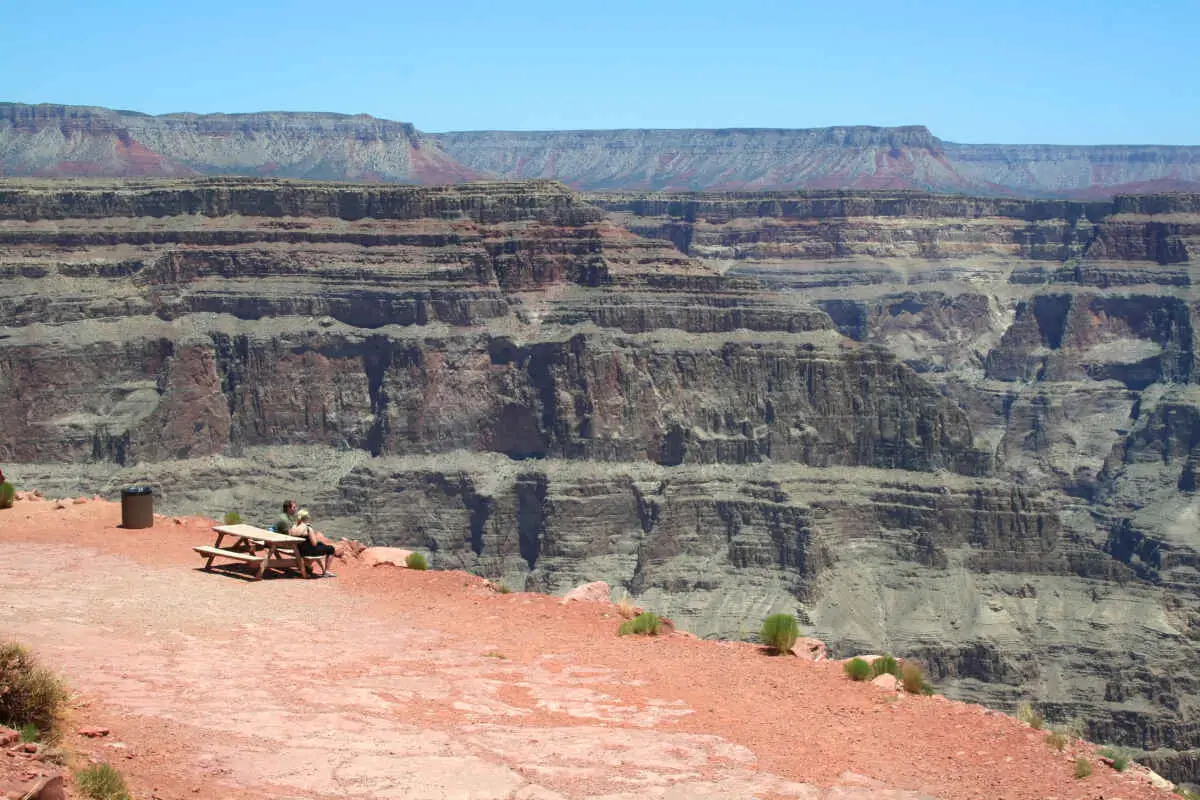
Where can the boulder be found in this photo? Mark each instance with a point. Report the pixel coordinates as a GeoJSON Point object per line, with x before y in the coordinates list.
{"type": "Point", "coordinates": [886, 681]}
{"type": "Point", "coordinates": [8, 736]}
{"type": "Point", "coordinates": [392, 556]}
{"type": "Point", "coordinates": [48, 788]}
{"type": "Point", "coordinates": [811, 648]}
{"type": "Point", "coordinates": [594, 592]}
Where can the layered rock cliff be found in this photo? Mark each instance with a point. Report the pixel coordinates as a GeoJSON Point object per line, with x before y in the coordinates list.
{"type": "Point", "coordinates": [56, 140]}
{"type": "Point", "coordinates": [959, 429]}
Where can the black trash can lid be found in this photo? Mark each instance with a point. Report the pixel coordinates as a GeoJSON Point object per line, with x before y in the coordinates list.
{"type": "Point", "coordinates": [137, 490]}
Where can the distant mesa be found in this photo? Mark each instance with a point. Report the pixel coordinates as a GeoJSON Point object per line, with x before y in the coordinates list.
{"type": "Point", "coordinates": [82, 141]}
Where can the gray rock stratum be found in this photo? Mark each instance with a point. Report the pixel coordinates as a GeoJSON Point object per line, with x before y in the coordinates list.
{"type": "Point", "coordinates": [964, 430]}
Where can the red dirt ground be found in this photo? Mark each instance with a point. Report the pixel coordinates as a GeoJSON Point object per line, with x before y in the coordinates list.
{"type": "Point", "coordinates": [385, 682]}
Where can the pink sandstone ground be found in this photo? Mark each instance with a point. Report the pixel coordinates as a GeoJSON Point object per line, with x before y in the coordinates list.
{"type": "Point", "coordinates": [390, 683]}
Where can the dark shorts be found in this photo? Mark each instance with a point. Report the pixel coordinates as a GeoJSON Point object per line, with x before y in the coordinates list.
{"type": "Point", "coordinates": [307, 548]}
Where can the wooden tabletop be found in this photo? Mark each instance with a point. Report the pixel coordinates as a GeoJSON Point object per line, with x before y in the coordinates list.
{"type": "Point", "coordinates": [257, 534]}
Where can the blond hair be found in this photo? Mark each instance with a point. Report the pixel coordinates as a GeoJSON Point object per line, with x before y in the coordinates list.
{"type": "Point", "coordinates": [302, 515]}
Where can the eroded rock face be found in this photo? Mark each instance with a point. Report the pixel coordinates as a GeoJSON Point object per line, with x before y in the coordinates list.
{"type": "Point", "coordinates": [960, 430]}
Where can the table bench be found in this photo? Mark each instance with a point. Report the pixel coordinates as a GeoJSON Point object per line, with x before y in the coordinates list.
{"type": "Point", "coordinates": [281, 549]}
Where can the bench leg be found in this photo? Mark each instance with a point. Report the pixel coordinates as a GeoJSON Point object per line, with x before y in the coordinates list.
{"type": "Point", "coordinates": [208, 563]}
{"type": "Point", "coordinates": [262, 565]}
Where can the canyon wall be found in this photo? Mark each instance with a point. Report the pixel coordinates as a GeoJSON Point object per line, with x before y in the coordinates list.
{"type": "Point", "coordinates": [964, 430]}
{"type": "Point", "coordinates": [74, 141]}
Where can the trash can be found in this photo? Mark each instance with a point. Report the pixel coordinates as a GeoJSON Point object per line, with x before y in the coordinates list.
{"type": "Point", "coordinates": [137, 507]}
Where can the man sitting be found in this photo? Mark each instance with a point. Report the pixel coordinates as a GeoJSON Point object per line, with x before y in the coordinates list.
{"type": "Point", "coordinates": [287, 520]}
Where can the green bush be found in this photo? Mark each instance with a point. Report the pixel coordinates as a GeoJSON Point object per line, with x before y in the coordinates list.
{"type": "Point", "coordinates": [7, 495]}
{"type": "Point", "coordinates": [30, 733]}
{"type": "Point", "coordinates": [1057, 740]}
{"type": "Point", "coordinates": [885, 665]}
{"type": "Point", "coordinates": [1120, 759]}
{"type": "Point", "coordinates": [501, 587]}
{"type": "Point", "coordinates": [416, 561]}
{"type": "Point", "coordinates": [101, 782]}
{"type": "Point", "coordinates": [233, 518]}
{"type": "Point", "coordinates": [857, 669]}
{"type": "Point", "coordinates": [912, 676]}
{"type": "Point", "coordinates": [644, 624]}
{"type": "Point", "coordinates": [1030, 716]}
{"type": "Point", "coordinates": [1083, 768]}
{"type": "Point", "coordinates": [779, 633]}
{"type": "Point", "coordinates": [29, 693]}
{"type": "Point", "coordinates": [1187, 794]}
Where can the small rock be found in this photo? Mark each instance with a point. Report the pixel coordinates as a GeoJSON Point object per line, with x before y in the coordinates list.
{"type": "Point", "coordinates": [8, 736]}
{"type": "Point", "coordinates": [594, 592]}
{"type": "Point", "coordinates": [886, 681]}
{"type": "Point", "coordinates": [60, 505]}
{"type": "Point", "coordinates": [48, 788]}
{"type": "Point", "coordinates": [37, 493]}
{"type": "Point", "coordinates": [177, 521]}
{"type": "Point", "coordinates": [28, 747]}
{"type": "Point", "coordinates": [93, 733]}
{"type": "Point", "coordinates": [97, 498]}
{"type": "Point", "coordinates": [812, 648]}
{"type": "Point", "coordinates": [79, 501]}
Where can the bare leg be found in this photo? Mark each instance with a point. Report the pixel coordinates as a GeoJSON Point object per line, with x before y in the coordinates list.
{"type": "Point", "coordinates": [327, 559]}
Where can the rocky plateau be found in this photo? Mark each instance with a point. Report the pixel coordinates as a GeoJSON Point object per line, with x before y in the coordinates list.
{"type": "Point", "coordinates": [964, 430]}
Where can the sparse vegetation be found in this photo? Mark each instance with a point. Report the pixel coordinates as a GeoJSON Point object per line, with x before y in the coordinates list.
{"type": "Point", "coordinates": [912, 677]}
{"type": "Point", "coordinates": [494, 654]}
{"type": "Point", "coordinates": [885, 665]}
{"type": "Point", "coordinates": [30, 733]}
{"type": "Point", "coordinates": [1187, 794]}
{"type": "Point", "coordinates": [645, 624]}
{"type": "Point", "coordinates": [779, 633]}
{"type": "Point", "coordinates": [1030, 715]}
{"type": "Point", "coordinates": [1119, 758]}
{"type": "Point", "coordinates": [30, 695]}
{"type": "Point", "coordinates": [7, 495]}
{"type": "Point", "coordinates": [501, 587]}
{"type": "Point", "coordinates": [1057, 740]}
{"type": "Point", "coordinates": [857, 669]}
{"type": "Point", "coordinates": [101, 782]}
{"type": "Point", "coordinates": [1083, 768]}
{"type": "Point", "coordinates": [626, 608]}
{"type": "Point", "coordinates": [416, 561]}
{"type": "Point", "coordinates": [233, 518]}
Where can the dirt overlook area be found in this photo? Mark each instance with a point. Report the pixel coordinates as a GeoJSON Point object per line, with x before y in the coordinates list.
{"type": "Point", "coordinates": [392, 683]}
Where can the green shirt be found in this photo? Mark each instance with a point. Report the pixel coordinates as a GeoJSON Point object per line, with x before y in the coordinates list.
{"type": "Point", "coordinates": [285, 523]}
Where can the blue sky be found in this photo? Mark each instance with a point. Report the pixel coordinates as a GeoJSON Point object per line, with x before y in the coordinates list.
{"type": "Point", "coordinates": [1035, 71]}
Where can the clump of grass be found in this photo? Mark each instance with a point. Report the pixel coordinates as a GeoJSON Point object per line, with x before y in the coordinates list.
{"type": "Point", "coordinates": [885, 665]}
{"type": "Point", "coordinates": [30, 695]}
{"type": "Point", "coordinates": [101, 782]}
{"type": "Point", "coordinates": [1030, 715]}
{"type": "Point", "coordinates": [1057, 740]}
{"type": "Point", "coordinates": [912, 677]}
{"type": "Point", "coordinates": [501, 587]}
{"type": "Point", "coordinates": [779, 633]}
{"type": "Point", "coordinates": [494, 654]}
{"type": "Point", "coordinates": [1120, 759]}
{"type": "Point", "coordinates": [1186, 794]}
{"type": "Point", "coordinates": [645, 624]}
{"type": "Point", "coordinates": [1083, 768]}
{"type": "Point", "coordinates": [416, 561]}
{"type": "Point", "coordinates": [626, 608]}
{"type": "Point", "coordinates": [857, 669]}
{"type": "Point", "coordinates": [8, 495]}
{"type": "Point", "coordinates": [30, 733]}
{"type": "Point", "coordinates": [233, 518]}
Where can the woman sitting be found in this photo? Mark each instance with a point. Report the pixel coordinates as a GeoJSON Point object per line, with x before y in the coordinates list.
{"type": "Point", "coordinates": [315, 544]}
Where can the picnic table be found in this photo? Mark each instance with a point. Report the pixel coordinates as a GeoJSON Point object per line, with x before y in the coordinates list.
{"type": "Point", "coordinates": [278, 550]}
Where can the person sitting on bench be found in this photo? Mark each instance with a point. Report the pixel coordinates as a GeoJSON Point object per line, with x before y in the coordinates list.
{"type": "Point", "coordinates": [315, 543]}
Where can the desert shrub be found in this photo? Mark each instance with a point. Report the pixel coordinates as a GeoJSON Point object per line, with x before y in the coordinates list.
{"type": "Point", "coordinates": [7, 495]}
{"type": "Point", "coordinates": [1030, 715]}
{"type": "Point", "coordinates": [30, 733]}
{"type": "Point", "coordinates": [885, 665]}
{"type": "Point", "coordinates": [1186, 793]}
{"type": "Point", "coordinates": [1120, 759]}
{"type": "Point", "coordinates": [626, 608]}
{"type": "Point", "coordinates": [501, 587]}
{"type": "Point", "coordinates": [1057, 740]}
{"type": "Point", "coordinates": [29, 693]}
{"type": "Point", "coordinates": [779, 633]}
{"type": "Point", "coordinates": [645, 624]}
{"type": "Point", "coordinates": [233, 518]}
{"type": "Point", "coordinates": [857, 669]}
{"type": "Point", "coordinates": [1083, 768]}
{"type": "Point", "coordinates": [101, 782]}
{"type": "Point", "coordinates": [416, 561]}
{"type": "Point", "coordinates": [912, 676]}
